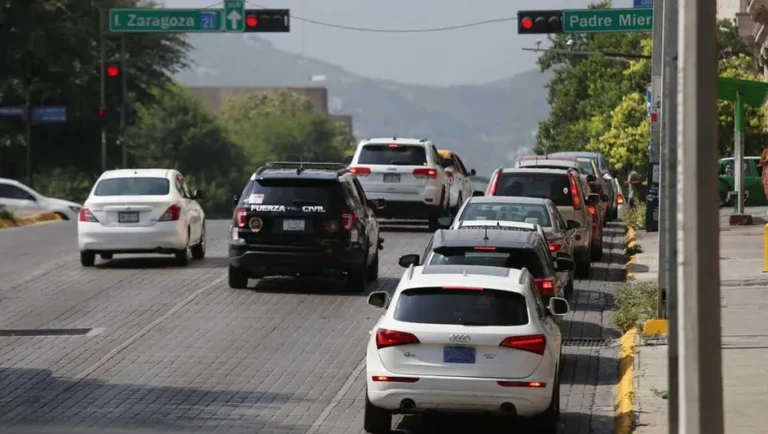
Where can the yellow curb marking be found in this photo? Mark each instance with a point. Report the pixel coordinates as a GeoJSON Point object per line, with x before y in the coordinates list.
{"type": "Point", "coordinates": [42, 218]}
{"type": "Point", "coordinates": [626, 386]}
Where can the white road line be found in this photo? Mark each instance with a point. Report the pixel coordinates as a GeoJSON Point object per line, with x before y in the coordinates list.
{"type": "Point", "coordinates": [337, 398]}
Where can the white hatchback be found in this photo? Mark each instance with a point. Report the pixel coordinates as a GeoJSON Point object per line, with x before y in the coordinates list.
{"type": "Point", "coordinates": [463, 338]}
{"type": "Point", "coordinates": [141, 211]}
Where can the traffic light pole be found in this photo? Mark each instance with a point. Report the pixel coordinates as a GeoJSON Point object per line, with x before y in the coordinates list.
{"type": "Point", "coordinates": [102, 54]}
{"type": "Point", "coordinates": [124, 105]}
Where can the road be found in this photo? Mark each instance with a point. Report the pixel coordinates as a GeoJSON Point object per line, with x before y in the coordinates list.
{"type": "Point", "coordinates": [176, 350]}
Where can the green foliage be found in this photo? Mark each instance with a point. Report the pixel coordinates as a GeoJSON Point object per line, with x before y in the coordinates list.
{"type": "Point", "coordinates": [741, 66]}
{"type": "Point", "coordinates": [636, 302]}
{"type": "Point", "coordinates": [65, 183]}
{"type": "Point", "coordinates": [7, 216]}
{"type": "Point", "coordinates": [626, 140]}
{"type": "Point", "coordinates": [634, 217]}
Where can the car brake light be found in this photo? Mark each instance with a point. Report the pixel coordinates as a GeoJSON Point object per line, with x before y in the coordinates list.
{"type": "Point", "coordinates": [172, 214]}
{"type": "Point", "coordinates": [546, 286]}
{"type": "Point", "coordinates": [466, 288]}
{"type": "Point", "coordinates": [620, 199]}
{"type": "Point", "coordinates": [592, 209]}
{"type": "Point", "coordinates": [534, 344]}
{"type": "Point", "coordinates": [574, 192]}
{"type": "Point", "coordinates": [85, 215]}
{"type": "Point", "coordinates": [348, 220]}
{"type": "Point", "coordinates": [535, 384]}
{"type": "Point", "coordinates": [484, 248]}
{"type": "Point", "coordinates": [392, 338]}
{"type": "Point", "coordinates": [493, 184]}
{"type": "Point", "coordinates": [383, 379]}
{"type": "Point", "coordinates": [393, 145]}
{"type": "Point", "coordinates": [555, 247]}
{"type": "Point", "coordinates": [240, 217]}
{"type": "Point", "coordinates": [425, 173]}
{"type": "Point", "coordinates": [360, 171]}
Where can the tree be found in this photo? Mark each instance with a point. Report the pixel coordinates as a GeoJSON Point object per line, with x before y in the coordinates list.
{"type": "Point", "coordinates": [628, 135]}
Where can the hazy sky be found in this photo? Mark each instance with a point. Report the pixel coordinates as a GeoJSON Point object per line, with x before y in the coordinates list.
{"type": "Point", "coordinates": [464, 56]}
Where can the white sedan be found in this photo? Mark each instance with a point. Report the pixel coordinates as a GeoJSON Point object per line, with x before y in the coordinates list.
{"type": "Point", "coordinates": [20, 199]}
{"type": "Point", "coordinates": [463, 338]}
{"type": "Point", "coordinates": [141, 211]}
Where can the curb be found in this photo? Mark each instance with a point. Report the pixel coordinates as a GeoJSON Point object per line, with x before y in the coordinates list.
{"type": "Point", "coordinates": [44, 217]}
{"type": "Point", "coordinates": [625, 395]}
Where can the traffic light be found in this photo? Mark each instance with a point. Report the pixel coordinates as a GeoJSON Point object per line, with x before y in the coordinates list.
{"type": "Point", "coordinates": [539, 22]}
{"type": "Point", "coordinates": [113, 84]}
{"type": "Point", "coordinates": [267, 20]}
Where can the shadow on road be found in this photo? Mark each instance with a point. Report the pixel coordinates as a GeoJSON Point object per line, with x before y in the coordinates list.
{"type": "Point", "coordinates": [315, 286]}
{"type": "Point", "coordinates": [462, 424]}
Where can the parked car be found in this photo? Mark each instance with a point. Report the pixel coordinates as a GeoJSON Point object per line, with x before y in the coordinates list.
{"type": "Point", "coordinates": [407, 173]}
{"type": "Point", "coordinates": [19, 198]}
{"type": "Point", "coordinates": [606, 172]}
{"type": "Point", "coordinates": [459, 179]}
{"type": "Point", "coordinates": [141, 211]}
{"type": "Point", "coordinates": [468, 339]}
{"type": "Point", "coordinates": [753, 182]}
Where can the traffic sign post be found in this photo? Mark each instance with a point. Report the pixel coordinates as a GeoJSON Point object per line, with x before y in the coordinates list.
{"type": "Point", "coordinates": [165, 20]}
{"type": "Point", "coordinates": [607, 20]}
{"type": "Point", "coordinates": [234, 12]}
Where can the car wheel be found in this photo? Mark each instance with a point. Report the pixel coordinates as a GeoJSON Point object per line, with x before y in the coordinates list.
{"type": "Point", "coordinates": [238, 278]}
{"type": "Point", "coordinates": [569, 287]}
{"type": "Point", "coordinates": [549, 421]}
{"type": "Point", "coordinates": [583, 268]}
{"type": "Point", "coordinates": [87, 259]}
{"type": "Point", "coordinates": [106, 256]}
{"type": "Point", "coordinates": [184, 256]}
{"type": "Point", "coordinates": [376, 420]}
{"type": "Point", "coordinates": [596, 252]}
{"type": "Point", "coordinates": [198, 250]}
{"type": "Point", "coordinates": [357, 280]}
{"type": "Point", "coordinates": [373, 269]}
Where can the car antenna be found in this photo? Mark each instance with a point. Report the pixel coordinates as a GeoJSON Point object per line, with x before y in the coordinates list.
{"type": "Point", "coordinates": [485, 237]}
{"type": "Point", "coordinates": [301, 166]}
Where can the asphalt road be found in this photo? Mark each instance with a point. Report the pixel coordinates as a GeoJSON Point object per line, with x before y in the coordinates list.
{"type": "Point", "coordinates": [175, 350]}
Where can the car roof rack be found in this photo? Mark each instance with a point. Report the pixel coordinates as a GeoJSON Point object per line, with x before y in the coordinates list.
{"type": "Point", "coordinates": [301, 166]}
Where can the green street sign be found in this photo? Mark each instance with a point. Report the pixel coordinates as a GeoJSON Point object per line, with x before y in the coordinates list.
{"type": "Point", "coordinates": [165, 20]}
{"type": "Point", "coordinates": [234, 15]}
{"type": "Point", "coordinates": [607, 20]}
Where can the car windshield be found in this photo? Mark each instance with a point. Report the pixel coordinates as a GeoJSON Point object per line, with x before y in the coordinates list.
{"type": "Point", "coordinates": [486, 307]}
{"type": "Point", "coordinates": [552, 186]}
{"type": "Point", "coordinates": [393, 155]}
{"type": "Point", "coordinates": [499, 257]}
{"type": "Point", "coordinates": [133, 187]}
{"type": "Point", "coordinates": [514, 212]}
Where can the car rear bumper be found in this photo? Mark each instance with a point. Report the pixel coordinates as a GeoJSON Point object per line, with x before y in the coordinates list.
{"type": "Point", "coordinates": [275, 260]}
{"type": "Point", "coordinates": [163, 237]}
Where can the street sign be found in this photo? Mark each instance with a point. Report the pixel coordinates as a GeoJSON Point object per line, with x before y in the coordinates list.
{"type": "Point", "coordinates": [165, 20]}
{"type": "Point", "coordinates": [607, 20]}
{"type": "Point", "coordinates": [641, 4]}
{"type": "Point", "coordinates": [11, 111]}
{"type": "Point", "coordinates": [49, 115]}
{"type": "Point", "coordinates": [234, 14]}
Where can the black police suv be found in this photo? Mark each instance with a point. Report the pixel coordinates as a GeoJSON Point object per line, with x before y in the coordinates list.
{"type": "Point", "coordinates": [308, 219]}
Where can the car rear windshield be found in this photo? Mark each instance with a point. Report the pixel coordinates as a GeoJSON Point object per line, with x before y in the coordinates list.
{"type": "Point", "coordinates": [133, 187]}
{"type": "Point", "coordinates": [515, 212]}
{"type": "Point", "coordinates": [552, 186]}
{"type": "Point", "coordinates": [400, 155]}
{"type": "Point", "coordinates": [507, 258]}
{"type": "Point", "coordinates": [486, 307]}
{"type": "Point", "coordinates": [294, 192]}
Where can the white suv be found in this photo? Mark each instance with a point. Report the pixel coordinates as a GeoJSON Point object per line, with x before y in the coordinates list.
{"type": "Point", "coordinates": [464, 338]}
{"type": "Point", "coordinates": [407, 174]}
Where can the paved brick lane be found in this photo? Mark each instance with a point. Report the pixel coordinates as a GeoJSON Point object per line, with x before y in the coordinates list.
{"type": "Point", "coordinates": [175, 350]}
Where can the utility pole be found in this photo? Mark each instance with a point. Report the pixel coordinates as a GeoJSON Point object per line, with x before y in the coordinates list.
{"type": "Point", "coordinates": [668, 205]}
{"type": "Point", "coordinates": [28, 133]}
{"type": "Point", "coordinates": [124, 105]}
{"type": "Point", "coordinates": [102, 54]}
{"type": "Point", "coordinates": [698, 323]}
{"type": "Point", "coordinates": [652, 194]}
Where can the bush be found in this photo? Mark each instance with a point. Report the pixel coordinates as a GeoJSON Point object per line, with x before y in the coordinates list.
{"type": "Point", "coordinates": [65, 183]}
{"type": "Point", "coordinates": [7, 216]}
{"type": "Point", "coordinates": [637, 302]}
{"type": "Point", "coordinates": [635, 217]}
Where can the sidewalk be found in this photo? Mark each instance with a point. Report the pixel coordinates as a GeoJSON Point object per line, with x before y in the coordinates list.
{"type": "Point", "coordinates": [744, 295]}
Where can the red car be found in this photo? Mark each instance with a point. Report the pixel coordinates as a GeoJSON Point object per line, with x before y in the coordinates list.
{"type": "Point", "coordinates": [598, 221]}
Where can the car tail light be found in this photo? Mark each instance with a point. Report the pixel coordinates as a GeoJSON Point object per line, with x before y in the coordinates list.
{"type": "Point", "coordinates": [545, 285]}
{"type": "Point", "coordinates": [534, 384]}
{"type": "Point", "coordinates": [360, 171]}
{"type": "Point", "coordinates": [466, 288]}
{"type": "Point", "coordinates": [555, 247]}
{"type": "Point", "coordinates": [620, 199]}
{"type": "Point", "coordinates": [494, 183]}
{"type": "Point", "coordinates": [425, 173]}
{"type": "Point", "coordinates": [348, 220]}
{"type": "Point", "coordinates": [85, 215]}
{"type": "Point", "coordinates": [592, 209]}
{"type": "Point", "coordinates": [392, 338]}
{"type": "Point", "coordinates": [383, 379]}
{"type": "Point", "coordinates": [393, 145]}
{"type": "Point", "coordinates": [534, 344]}
{"type": "Point", "coordinates": [484, 248]}
{"type": "Point", "coordinates": [240, 217]}
{"type": "Point", "coordinates": [171, 214]}
{"type": "Point", "coordinates": [574, 193]}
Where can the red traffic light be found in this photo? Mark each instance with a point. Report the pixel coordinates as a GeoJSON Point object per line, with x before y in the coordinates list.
{"type": "Point", "coordinates": [113, 70]}
{"type": "Point", "coordinates": [101, 112]}
{"type": "Point", "coordinates": [251, 21]}
{"type": "Point", "coordinates": [527, 23]}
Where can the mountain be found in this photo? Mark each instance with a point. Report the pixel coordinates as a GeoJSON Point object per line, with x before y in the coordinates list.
{"type": "Point", "coordinates": [485, 123]}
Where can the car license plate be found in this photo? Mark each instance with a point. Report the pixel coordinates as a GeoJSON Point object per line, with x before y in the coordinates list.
{"type": "Point", "coordinates": [391, 177]}
{"type": "Point", "coordinates": [127, 217]}
{"type": "Point", "coordinates": [458, 355]}
{"type": "Point", "coordinates": [293, 225]}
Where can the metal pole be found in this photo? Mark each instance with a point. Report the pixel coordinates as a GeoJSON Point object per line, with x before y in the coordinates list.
{"type": "Point", "coordinates": [28, 134]}
{"type": "Point", "coordinates": [699, 323]}
{"type": "Point", "coordinates": [663, 199]}
{"type": "Point", "coordinates": [652, 195]}
{"type": "Point", "coordinates": [123, 106]}
{"type": "Point", "coordinates": [669, 203]}
{"type": "Point", "coordinates": [738, 148]}
{"type": "Point", "coordinates": [102, 54]}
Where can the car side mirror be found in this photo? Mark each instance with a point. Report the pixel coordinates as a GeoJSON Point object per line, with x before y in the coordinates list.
{"type": "Point", "coordinates": [377, 204]}
{"type": "Point", "coordinates": [378, 299]}
{"type": "Point", "coordinates": [572, 224]}
{"type": "Point", "coordinates": [557, 306]}
{"type": "Point", "coordinates": [593, 199]}
{"type": "Point", "coordinates": [604, 197]}
{"type": "Point", "coordinates": [445, 222]}
{"type": "Point", "coordinates": [408, 260]}
{"type": "Point", "coordinates": [565, 264]}
{"type": "Point", "coordinates": [198, 194]}
{"type": "Point", "coordinates": [472, 172]}
{"type": "Point", "coordinates": [478, 193]}
{"type": "Point", "coordinates": [591, 178]}
{"type": "Point", "coordinates": [235, 199]}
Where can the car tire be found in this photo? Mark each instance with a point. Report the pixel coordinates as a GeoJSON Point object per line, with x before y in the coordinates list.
{"type": "Point", "coordinates": [198, 250]}
{"type": "Point", "coordinates": [373, 269]}
{"type": "Point", "coordinates": [583, 268]}
{"type": "Point", "coordinates": [357, 280]}
{"type": "Point", "coordinates": [569, 287]}
{"type": "Point", "coordinates": [106, 256]}
{"type": "Point", "coordinates": [549, 421]}
{"type": "Point", "coordinates": [596, 252]}
{"type": "Point", "coordinates": [87, 259]}
{"type": "Point", "coordinates": [238, 278]}
{"type": "Point", "coordinates": [376, 420]}
{"type": "Point", "coordinates": [184, 256]}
